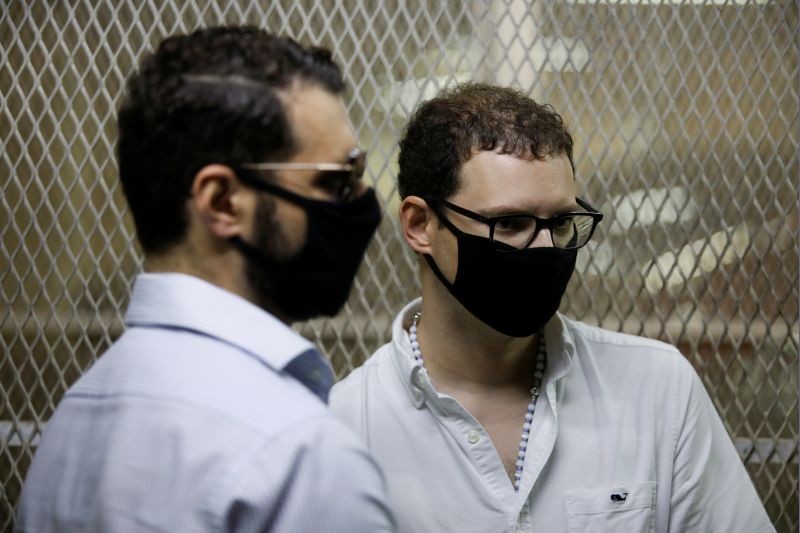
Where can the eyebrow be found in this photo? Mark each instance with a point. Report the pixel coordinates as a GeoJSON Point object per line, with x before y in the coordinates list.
{"type": "Point", "coordinates": [345, 159]}
{"type": "Point", "coordinates": [501, 210]}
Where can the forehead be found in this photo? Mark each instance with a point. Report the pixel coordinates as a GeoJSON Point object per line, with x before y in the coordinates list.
{"type": "Point", "coordinates": [489, 179]}
{"type": "Point", "coordinates": [319, 123]}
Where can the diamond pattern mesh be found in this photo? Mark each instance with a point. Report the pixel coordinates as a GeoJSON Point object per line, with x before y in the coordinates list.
{"type": "Point", "coordinates": [685, 116]}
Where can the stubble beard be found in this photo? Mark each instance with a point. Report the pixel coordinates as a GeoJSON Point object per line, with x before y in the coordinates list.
{"type": "Point", "coordinates": [269, 237]}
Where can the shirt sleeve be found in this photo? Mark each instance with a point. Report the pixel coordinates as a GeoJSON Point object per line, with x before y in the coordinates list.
{"type": "Point", "coordinates": [331, 485]}
{"type": "Point", "coordinates": [711, 490]}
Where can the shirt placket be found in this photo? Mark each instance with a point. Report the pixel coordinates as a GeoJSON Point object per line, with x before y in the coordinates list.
{"type": "Point", "coordinates": [473, 439]}
{"type": "Point", "coordinates": [540, 447]}
{"type": "Point", "coordinates": [477, 446]}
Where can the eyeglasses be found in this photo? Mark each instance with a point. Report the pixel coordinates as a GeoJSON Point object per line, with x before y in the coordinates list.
{"type": "Point", "coordinates": [516, 232]}
{"type": "Point", "coordinates": [339, 178]}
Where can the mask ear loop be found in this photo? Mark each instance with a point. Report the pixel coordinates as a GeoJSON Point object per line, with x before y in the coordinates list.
{"type": "Point", "coordinates": [438, 272]}
{"type": "Point", "coordinates": [429, 258]}
{"type": "Point", "coordinates": [447, 224]}
{"type": "Point", "coordinates": [460, 233]}
{"type": "Point", "coordinates": [245, 176]}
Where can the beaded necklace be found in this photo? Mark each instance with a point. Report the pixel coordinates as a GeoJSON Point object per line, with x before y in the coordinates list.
{"type": "Point", "coordinates": [541, 362]}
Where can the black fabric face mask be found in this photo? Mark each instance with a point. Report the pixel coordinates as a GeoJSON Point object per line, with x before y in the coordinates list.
{"type": "Point", "coordinates": [317, 280]}
{"type": "Point", "coordinates": [513, 291]}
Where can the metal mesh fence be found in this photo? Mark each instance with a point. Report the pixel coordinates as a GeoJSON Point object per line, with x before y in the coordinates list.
{"type": "Point", "coordinates": [685, 116]}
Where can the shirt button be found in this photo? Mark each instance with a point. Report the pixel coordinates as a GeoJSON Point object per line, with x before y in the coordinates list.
{"type": "Point", "coordinates": [473, 437]}
{"type": "Point", "coordinates": [420, 379]}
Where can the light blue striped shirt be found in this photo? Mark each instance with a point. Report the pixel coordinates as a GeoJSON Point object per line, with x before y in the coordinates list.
{"type": "Point", "coordinates": [189, 422]}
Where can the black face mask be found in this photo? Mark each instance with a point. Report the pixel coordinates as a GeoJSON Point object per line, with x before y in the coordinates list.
{"type": "Point", "coordinates": [317, 280]}
{"type": "Point", "coordinates": [514, 292]}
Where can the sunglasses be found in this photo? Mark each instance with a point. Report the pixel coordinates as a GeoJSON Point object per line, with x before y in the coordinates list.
{"type": "Point", "coordinates": [340, 178]}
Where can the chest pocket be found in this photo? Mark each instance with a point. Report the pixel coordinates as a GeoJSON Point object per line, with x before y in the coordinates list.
{"type": "Point", "coordinates": [618, 508]}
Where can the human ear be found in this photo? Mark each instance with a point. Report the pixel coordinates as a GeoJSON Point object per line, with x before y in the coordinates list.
{"type": "Point", "coordinates": [219, 201]}
{"type": "Point", "coordinates": [418, 223]}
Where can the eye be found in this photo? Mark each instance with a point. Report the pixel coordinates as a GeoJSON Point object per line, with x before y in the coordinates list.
{"type": "Point", "coordinates": [337, 183]}
{"type": "Point", "coordinates": [515, 225]}
{"type": "Point", "coordinates": [564, 224]}
{"type": "Point", "coordinates": [345, 193]}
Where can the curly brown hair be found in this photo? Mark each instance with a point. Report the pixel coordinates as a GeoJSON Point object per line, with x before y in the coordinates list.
{"type": "Point", "coordinates": [446, 131]}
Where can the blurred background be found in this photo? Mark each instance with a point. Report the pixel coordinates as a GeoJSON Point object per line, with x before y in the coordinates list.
{"type": "Point", "coordinates": [685, 120]}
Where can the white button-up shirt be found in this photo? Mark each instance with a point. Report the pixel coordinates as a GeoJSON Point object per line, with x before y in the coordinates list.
{"type": "Point", "coordinates": [624, 438]}
{"type": "Point", "coordinates": [190, 423]}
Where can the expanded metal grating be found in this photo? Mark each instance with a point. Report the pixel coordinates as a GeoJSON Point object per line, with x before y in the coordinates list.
{"type": "Point", "coordinates": [685, 116]}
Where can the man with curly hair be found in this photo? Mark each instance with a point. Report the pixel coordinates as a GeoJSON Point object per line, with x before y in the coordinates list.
{"type": "Point", "coordinates": [242, 173]}
{"type": "Point", "coordinates": [490, 412]}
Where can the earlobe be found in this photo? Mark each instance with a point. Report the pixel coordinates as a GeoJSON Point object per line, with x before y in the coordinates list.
{"type": "Point", "coordinates": [417, 221]}
{"type": "Point", "coordinates": [216, 202]}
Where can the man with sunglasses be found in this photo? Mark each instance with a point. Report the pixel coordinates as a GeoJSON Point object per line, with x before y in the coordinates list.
{"type": "Point", "coordinates": [243, 176]}
{"type": "Point", "coordinates": [490, 412]}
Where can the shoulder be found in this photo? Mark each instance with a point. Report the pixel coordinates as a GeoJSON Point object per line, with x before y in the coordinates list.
{"type": "Point", "coordinates": [372, 387]}
{"type": "Point", "coordinates": [349, 387]}
{"type": "Point", "coordinates": [603, 337]}
{"type": "Point", "coordinates": [319, 476]}
{"type": "Point", "coordinates": [630, 367]}
{"type": "Point", "coordinates": [604, 346]}
{"type": "Point", "coordinates": [198, 375]}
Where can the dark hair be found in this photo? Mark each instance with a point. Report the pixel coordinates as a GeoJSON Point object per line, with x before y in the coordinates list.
{"type": "Point", "coordinates": [444, 132]}
{"type": "Point", "coordinates": [207, 97]}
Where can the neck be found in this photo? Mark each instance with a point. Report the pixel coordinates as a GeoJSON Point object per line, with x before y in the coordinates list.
{"type": "Point", "coordinates": [225, 270]}
{"type": "Point", "coordinates": [462, 352]}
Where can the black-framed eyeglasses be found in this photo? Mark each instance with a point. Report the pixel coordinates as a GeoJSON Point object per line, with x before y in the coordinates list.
{"type": "Point", "coordinates": [516, 232]}
{"type": "Point", "coordinates": [341, 179]}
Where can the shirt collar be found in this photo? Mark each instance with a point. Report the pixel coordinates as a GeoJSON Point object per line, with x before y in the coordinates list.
{"type": "Point", "coordinates": [173, 300]}
{"type": "Point", "coordinates": [560, 352]}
